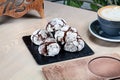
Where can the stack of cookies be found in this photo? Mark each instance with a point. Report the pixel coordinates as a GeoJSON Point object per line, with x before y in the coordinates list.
{"type": "Point", "coordinates": [57, 35]}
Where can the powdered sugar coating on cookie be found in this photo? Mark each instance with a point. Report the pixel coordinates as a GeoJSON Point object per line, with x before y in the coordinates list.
{"type": "Point", "coordinates": [81, 44]}
{"type": "Point", "coordinates": [39, 36]}
{"type": "Point", "coordinates": [70, 36]}
{"type": "Point", "coordinates": [65, 34]}
{"type": "Point", "coordinates": [55, 24]}
{"type": "Point", "coordinates": [65, 28]}
{"type": "Point", "coordinates": [74, 46]}
{"type": "Point", "coordinates": [47, 40]}
{"type": "Point", "coordinates": [59, 36]}
{"type": "Point", "coordinates": [53, 49]}
{"type": "Point", "coordinates": [49, 48]}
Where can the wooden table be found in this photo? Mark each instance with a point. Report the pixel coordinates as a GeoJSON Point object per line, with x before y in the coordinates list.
{"type": "Point", "coordinates": [16, 62]}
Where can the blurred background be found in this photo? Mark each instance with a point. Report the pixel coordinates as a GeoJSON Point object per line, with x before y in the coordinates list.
{"type": "Point", "coordinates": [93, 5]}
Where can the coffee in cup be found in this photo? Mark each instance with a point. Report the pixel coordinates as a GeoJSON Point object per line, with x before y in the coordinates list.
{"type": "Point", "coordinates": [109, 19]}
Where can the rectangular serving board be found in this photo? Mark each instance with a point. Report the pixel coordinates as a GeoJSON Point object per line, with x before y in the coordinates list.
{"type": "Point", "coordinates": [62, 56]}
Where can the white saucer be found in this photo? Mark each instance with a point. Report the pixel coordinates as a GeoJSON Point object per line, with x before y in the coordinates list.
{"type": "Point", "coordinates": [96, 31]}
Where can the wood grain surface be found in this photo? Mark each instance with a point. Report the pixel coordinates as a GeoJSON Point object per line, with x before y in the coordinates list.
{"type": "Point", "coordinates": [72, 70]}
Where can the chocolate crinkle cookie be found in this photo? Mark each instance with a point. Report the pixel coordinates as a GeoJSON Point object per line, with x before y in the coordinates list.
{"type": "Point", "coordinates": [55, 24]}
{"type": "Point", "coordinates": [39, 36]}
{"type": "Point", "coordinates": [49, 48]}
{"type": "Point", "coordinates": [57, 35]}
{"type": "Point", "coordinates": [74, 46]}
{"type": "Point", "coordinates": [69, 38]}
{"type": "Point", "coordinates": [66, 34]}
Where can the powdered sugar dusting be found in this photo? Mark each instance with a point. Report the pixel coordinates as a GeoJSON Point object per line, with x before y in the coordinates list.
{"type": "Point", "coordinates": [42, 50]}
{"type": "Point", "coordinates": [57, 32]}
{"type": "Point", "coordinates": [59, 35]}
{"type": "Point", "coordinates": [69, 46]}
{"type": "Point", "coordinates": [70, 36]}
{"type": "Point", "coordinates": [39, 36]}
{"type": "Point", "coordinates": [53, 49]}
{"type": "Point", "coordinates": [74, 46]}
{"type": "Point", "coordinates": [49, 48]}
{"type": "Point", "coordinates": [55, 24]}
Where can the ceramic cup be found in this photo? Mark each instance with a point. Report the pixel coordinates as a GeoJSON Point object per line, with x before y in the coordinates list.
{"type": "Point", "coordinates": [109, 19]}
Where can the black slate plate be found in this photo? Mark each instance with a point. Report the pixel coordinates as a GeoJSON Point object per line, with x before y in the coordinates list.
{"type": "Point", "coordinates": [96, 31]}
{"type": "Point", "coordinates": [63, 55]}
